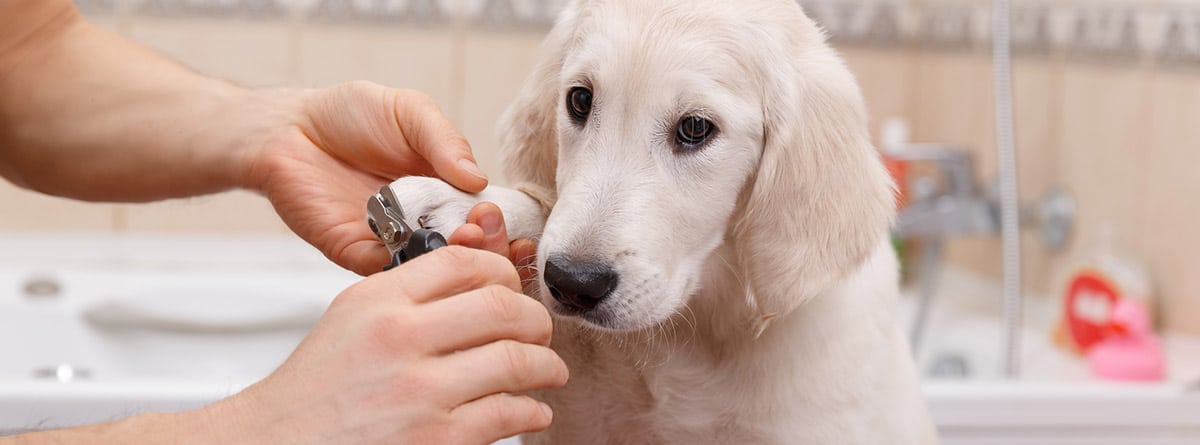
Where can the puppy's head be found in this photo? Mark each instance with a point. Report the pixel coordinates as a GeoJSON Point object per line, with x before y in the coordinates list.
{"type": "Point", "coordinates": [668, 128]}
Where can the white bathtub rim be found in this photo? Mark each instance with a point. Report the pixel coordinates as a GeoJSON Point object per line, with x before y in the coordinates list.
{"type": "Point", "coordinates": [1063, 405]}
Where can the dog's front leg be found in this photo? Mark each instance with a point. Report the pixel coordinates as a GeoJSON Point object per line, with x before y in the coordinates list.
{"type": "Point", "coordinates": [430, 203]}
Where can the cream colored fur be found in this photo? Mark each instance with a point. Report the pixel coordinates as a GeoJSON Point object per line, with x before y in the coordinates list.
{"type": "Point", "coordinates": [757, 294]}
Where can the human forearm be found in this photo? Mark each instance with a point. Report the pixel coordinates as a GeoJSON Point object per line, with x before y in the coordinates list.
{"type": "Point", "coordinates": [182, 428]}
{"type": "Point", "coordinates": [87, 114]}
{"type": "Point", "coordinates": [90, 115]}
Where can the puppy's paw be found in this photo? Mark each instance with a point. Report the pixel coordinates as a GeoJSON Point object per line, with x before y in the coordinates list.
{"type": "Point", "coordinates": [430, 203]}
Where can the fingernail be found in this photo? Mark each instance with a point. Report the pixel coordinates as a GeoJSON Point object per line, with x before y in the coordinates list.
{"type": "Point", "coordinates": [470, 167]}
{"type": "Point", "coordinates": [490, 223]}
{"type": "Point", "coordinates": [547, 411]}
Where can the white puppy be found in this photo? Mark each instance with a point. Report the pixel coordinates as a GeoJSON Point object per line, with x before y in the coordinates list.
{"type": "Point", "coordinates": [715, 230]}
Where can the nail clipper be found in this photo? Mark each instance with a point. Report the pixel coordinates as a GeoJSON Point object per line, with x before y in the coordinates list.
{"type": "Point", "coordinates": [386, 219]}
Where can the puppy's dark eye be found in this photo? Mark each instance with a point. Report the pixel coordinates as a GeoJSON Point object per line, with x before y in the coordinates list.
{"type": "Point", "coordinates": [693, 131]}
{"type": "Point", "coordinates": [579, 103]}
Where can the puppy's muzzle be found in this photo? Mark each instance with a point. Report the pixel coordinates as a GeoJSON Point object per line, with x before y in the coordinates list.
{"type": "Point", "coordinates": [579, 285]}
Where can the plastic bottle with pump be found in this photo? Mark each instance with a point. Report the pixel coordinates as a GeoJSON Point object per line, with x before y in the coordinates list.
{"type": "Point", "coordinates": [1108, 313]}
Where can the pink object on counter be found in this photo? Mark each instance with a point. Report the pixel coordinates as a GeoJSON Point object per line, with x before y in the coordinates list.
{"type": "Point", "coordinates": [1134, 354]}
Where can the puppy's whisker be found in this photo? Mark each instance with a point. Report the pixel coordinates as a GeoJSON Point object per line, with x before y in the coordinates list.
{"type": "Point", "coordinates": [688, 318]}
{"type": "Point", "coordinates": [528, 258]}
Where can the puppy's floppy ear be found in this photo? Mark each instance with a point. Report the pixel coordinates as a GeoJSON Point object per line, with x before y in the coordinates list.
{"type": "Point", "coordinates": [821, 200]}
{"type": "Point", "coordinates": [528, 129]}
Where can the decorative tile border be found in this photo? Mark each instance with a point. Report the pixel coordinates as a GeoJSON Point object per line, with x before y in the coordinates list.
{"type": "Point", "coordinates": [253, 9]}
{"type": "Point", "coordinates": [414, 12]}
{"type": "Point", "coordinates": [880, 23]}
{"type": "Point", "coordinates": [1113, 31]}
{"type": "Point", "coordinates": [535, 15]}
{"type": "Point", "coordinates": [1108, 32]}
{"type": "Point", "coordinates": [528, 15]}
{"type": "Point", "coordinates": [1181, 40]}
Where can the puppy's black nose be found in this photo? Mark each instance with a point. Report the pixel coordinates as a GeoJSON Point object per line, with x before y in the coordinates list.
{"type": "Point", "coordinates": [579, 286]}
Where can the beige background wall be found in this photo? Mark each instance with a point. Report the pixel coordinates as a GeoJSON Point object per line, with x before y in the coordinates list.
{"type": "Point", "coordinates": [1121, 134]}
{"type": "Point", "coordinates": [1123, 138]}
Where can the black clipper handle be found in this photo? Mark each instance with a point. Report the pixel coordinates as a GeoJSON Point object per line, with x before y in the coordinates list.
{"type": "Point", "coordinates": [422, 241]}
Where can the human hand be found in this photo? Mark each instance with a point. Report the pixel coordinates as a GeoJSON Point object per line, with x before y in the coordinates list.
{"type": "Point", "coordinates": [333, 148]}
{"type": "Point", "coordinates": [379, 366]}
{"type": "Point", "coordinates": [485, 229]}
{"type": "Point", "coordinates": [434, 351]}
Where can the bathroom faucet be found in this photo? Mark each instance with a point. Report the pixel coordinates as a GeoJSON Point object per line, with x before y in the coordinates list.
{"type": "Point", "coordinates": [959, 209]}
{"type": "Point", "coordinates": [933, 213]}
{"type": "Point", "coordinates": [957, 206]}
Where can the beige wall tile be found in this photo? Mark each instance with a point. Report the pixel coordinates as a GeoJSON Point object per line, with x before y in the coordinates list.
{"type": "Point", "coordinates": [237, 211]}
{"type": "Point", "coordinates": [885, 77]}
{"type": "Point", "coordinates": [27, 210]}
{"type": "Point", "coordinates": [249, 52]}
{"type": "Point", "coordinates": [495, 65]}
{"type": "Point", "coordinates": [1103, 146]}
{"type": "Point", "coordinates": [393, 55]}
{"type": "Point", "coordinates": [1172, 208]}
{"type": "Point", "coordinates": [954, 103]}
{"type": "Point", "coordinates": [1036, 99]}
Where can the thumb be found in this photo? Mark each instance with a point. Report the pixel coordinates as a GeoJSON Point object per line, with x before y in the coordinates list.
{"type": "Point", "coordinates": [433, 137]}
